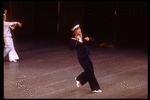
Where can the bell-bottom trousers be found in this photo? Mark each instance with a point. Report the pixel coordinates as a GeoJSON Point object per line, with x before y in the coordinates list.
{"type": "Point", "coordinates": [10, 49]}
{"type": "Point", "coordinates": [88, 74]}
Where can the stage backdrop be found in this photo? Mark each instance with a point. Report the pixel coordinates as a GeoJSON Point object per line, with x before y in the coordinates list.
{"type": "Point", "coordinates": [54, 19]}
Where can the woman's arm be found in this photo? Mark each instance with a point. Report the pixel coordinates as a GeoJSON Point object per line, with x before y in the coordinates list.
{"type": "Point", "coordinates": [12, 23]}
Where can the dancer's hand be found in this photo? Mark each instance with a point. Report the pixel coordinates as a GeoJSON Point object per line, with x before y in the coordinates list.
{"type": "Point", "coordinates": [87, 39]}
{"type": "Point", "coordinates": [77, 37]}
{"type": "Point", "coordinates": [19, 24]}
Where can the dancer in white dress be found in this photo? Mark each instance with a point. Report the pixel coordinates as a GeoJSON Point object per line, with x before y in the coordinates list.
{"type": "Point", "coordinates": [9, 45]}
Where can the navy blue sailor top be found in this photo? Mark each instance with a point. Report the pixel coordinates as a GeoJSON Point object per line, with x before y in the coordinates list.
{"type": "Point", "coordinates": [81, 47]}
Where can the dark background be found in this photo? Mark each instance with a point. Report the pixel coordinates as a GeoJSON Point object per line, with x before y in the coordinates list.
{"type": "Point", "coordinates": [129, 28]}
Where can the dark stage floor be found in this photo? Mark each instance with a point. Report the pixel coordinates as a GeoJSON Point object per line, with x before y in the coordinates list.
{"type": "Point", "coordinates": [47, 70]}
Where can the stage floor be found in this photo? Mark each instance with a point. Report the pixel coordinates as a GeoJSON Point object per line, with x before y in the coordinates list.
{"type": "Point", "coordinates": [47, 70]}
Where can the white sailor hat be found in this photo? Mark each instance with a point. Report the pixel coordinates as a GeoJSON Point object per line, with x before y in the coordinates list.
{"type": "Point", "coordinates": [76, 26]}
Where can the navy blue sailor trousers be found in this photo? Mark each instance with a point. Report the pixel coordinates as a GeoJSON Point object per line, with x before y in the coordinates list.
{"type": "Point", "coordinates": [88, 74]}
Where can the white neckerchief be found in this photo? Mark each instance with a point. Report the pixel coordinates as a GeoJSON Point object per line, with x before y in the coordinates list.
{"type": "Point", "coordinates": [80, 40]}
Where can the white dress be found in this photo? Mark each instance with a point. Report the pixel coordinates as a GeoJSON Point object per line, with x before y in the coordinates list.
{"type": "Point", "coordinates": [9, 45]}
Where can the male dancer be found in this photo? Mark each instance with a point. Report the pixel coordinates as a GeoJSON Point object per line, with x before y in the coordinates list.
{"type": "Point", "coordinates": [79, 42]}
{"type": "Point", "coordinates": [9, 46]}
